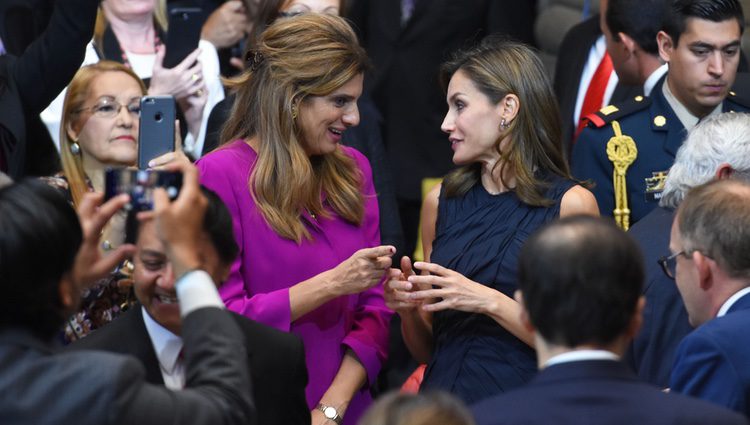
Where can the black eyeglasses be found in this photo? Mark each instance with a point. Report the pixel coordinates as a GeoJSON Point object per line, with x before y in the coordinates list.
{"type": "Point", "coordinates": [669, 264]}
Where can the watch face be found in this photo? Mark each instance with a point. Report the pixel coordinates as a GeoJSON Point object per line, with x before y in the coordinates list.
{"type": "Point", "coordinates": [329, 412]}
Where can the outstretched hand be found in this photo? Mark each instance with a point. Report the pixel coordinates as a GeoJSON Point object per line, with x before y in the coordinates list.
{"type": "Point", "coordinates": [363, 270]}
{"type": "Point", "coordinates": [452, 291]}
{"type": "Point", "coordinates": [396, 290]}
{"type": "Point", "coordinates": [90, 265]}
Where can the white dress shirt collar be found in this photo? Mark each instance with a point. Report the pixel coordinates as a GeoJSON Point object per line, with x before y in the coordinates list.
{"type": "Point", "coordinates": [581, 355]}
{"type": "Point", "coordinates": [730, 302]}
{"type": "Point", "coordinates": [168, 347]}
{"type": "Point", "coordinates": [654, 78]}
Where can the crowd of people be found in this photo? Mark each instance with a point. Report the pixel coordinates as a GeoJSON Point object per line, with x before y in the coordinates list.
{"type": "Point", "coordinates": [582, 258]}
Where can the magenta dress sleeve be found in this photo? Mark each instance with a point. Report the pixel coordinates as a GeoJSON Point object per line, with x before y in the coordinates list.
{"type": "Point", "coordinates": [368, 337]}
{"type": "Point", "coordinates": [226, 173]}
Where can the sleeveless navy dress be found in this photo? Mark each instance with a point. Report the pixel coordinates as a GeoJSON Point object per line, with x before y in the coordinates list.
{"type": "Point", "coordinates": [480, 236]}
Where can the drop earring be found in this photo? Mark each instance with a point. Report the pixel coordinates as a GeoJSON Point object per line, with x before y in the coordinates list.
{"type": "Point", "coordinates": [75, 148]}
{"type": "Point", "coordinates": [295, 110]}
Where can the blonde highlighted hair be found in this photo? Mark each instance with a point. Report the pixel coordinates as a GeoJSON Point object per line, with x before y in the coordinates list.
{"type": "Point", "coordinates": [78, 91]}
{"type": "Point", "coordinates": [306, 55]}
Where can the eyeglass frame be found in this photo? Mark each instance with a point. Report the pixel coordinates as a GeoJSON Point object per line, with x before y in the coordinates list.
{"type": "Point", "coordinates": [112, 102]}
{"type": "Point", "coordinates": [666, 260]}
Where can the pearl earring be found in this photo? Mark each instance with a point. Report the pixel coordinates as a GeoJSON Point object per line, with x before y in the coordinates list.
{"type": "Point", "coordinates": [503, 124]}
{"type": "Point", "coordinates": [75, 149]}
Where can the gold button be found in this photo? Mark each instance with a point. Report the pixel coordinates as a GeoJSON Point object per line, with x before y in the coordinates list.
{"type": "Point", "coordinates": [639, 98]}
{"type": "Point", "coordinates": [660, 121]}
{"type": "Point", "coordinates": [731, 93]}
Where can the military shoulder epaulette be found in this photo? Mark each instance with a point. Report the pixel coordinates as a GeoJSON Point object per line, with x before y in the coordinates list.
{"type": "Point", "coordinates": [613, 112]}
{"type": "Point", "coordinates": [739, 99]}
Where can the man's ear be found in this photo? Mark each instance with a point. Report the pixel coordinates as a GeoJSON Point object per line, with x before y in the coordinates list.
{"type": "Point", "coordinates": [628, 43]}
{"type": "Point", "coordinates": [637, 320]}
{"type": "Point", "coordinates": [703, 266]}
{"type": "Point", "coordinates": [67, 291]}
{"type": "Point", "coordinates": [525, 319]}
{"type": "Point", "coordinates": [666, 46]}
{"type": "Point", "coordinates": [724, 171]}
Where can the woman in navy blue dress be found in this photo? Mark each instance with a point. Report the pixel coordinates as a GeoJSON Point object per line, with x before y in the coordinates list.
{"type": "Point", "coordinates": [459, 316]}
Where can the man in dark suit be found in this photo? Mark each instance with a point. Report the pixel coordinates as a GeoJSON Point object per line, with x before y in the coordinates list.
{"type": "Point", "coordinates": [578, 48]}
{"type": "Point", "coordinates": [150, 332]}
{"type": "Point", "coordinates": [580, 291]}
{"type": "Point", "coordinates": [643, 135]}
{"type": "Point", "coordinates": [717, 148]}
{"type": "Point", "coordinates": [710, 243]}
{"type": "Point", "coordinates": [47, 256]}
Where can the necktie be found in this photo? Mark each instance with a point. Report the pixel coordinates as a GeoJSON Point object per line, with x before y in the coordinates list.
{"type": "Point", "coordinates": [594, 98]}
{"type": "Point", "coordinates": [407, 8]}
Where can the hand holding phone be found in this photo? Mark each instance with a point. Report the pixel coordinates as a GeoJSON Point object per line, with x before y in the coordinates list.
{"type": "Point", "coordinates": [156, 132]}
{"type": "Point", "coordinates": [140, 185]}
{"type": "Point", "coordinates": [184, 33]}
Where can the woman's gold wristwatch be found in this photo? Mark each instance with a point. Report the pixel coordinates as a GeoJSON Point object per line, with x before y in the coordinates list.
{"type": "Point", "coordinates": [330, 413]}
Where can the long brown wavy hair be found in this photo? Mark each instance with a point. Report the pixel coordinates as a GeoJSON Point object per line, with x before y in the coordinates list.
{"type": "Point", "coordinates": [499, 67]}
{"type": "Point", "coordinates": [78, 91]}
{"type": "Point", "coordinates": [306, 55]}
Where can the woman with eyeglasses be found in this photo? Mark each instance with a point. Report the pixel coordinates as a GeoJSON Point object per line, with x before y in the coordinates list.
{"type": "Point", "coordinates": [133, 32]}
{"type": "Point", "coordinates": [99, 129]}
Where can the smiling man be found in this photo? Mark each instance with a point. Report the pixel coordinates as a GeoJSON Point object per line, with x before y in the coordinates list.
{"type": "Point", "coordinates": [152, 333]}
{"type": "Point", "coordinates": [700, 42]}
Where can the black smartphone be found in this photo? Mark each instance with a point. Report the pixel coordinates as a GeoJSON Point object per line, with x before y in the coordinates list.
{"type": "Point", "coordinates": [156, 128]}
{"type": "Point", "coordinates": [183, 34]}
{"type": "Point", "coordinates": [140, 185]}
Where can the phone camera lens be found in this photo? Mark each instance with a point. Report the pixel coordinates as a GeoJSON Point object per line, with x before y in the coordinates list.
{"type": "Point", "coordinates": [158, 117]}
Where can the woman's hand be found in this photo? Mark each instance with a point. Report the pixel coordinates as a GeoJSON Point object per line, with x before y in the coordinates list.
{"type": "Point", "coordinates": [397, 288]}
{"type": "Point", "coordinates": [192, 108]}
{"type": "Point", "coordinates": [455, 291]}
{"type": "Point", "coordinates": [363, 270]}
{"type": "Point", "coordinates": [182, 81]}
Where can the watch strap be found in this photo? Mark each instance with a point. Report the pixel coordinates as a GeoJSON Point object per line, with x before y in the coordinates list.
{"type": "Point", "coordinates": [330, 413]}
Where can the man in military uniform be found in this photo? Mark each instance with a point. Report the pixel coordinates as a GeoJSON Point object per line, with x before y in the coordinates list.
{"type": "Point", "coordinates": [627, 149]}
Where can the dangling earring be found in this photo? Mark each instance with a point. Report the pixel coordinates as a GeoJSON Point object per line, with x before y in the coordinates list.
{"type": "Point", "coordinates": [75, 148]}
{"type": "Point", "coordinates": [295, 110]}
{"type": "Point", "coordinates": [503, 124]}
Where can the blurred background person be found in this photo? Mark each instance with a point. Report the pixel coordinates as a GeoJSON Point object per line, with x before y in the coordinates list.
{"type": "Point", "coordinates": [304, 208]}
{"type": "Point", "coordinates": [417, 409]}
{"type": "Point", "coordinates": [503, 126]}
{"type": "Point", "coordinates": [580, 282]}
{"type": "Point", "coordinates": [30, 81]}
{"type": "Point", "coordinates": [151, 333]}
{"type": "Point", "coordinates": [133, 33]}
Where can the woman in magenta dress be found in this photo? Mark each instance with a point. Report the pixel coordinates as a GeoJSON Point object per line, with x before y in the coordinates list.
{"type": "Point", "coordinates": [304, 209]}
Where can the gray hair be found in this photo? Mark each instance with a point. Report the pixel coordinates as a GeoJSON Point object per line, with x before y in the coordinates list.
{"type": "Point", "coordinates": [723, 139]}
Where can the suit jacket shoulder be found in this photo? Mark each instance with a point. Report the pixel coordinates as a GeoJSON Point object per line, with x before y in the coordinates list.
{"type": "Point", "coordinates": [595, 392]}
{"type": "Point", "coordinates": [713, 364]}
